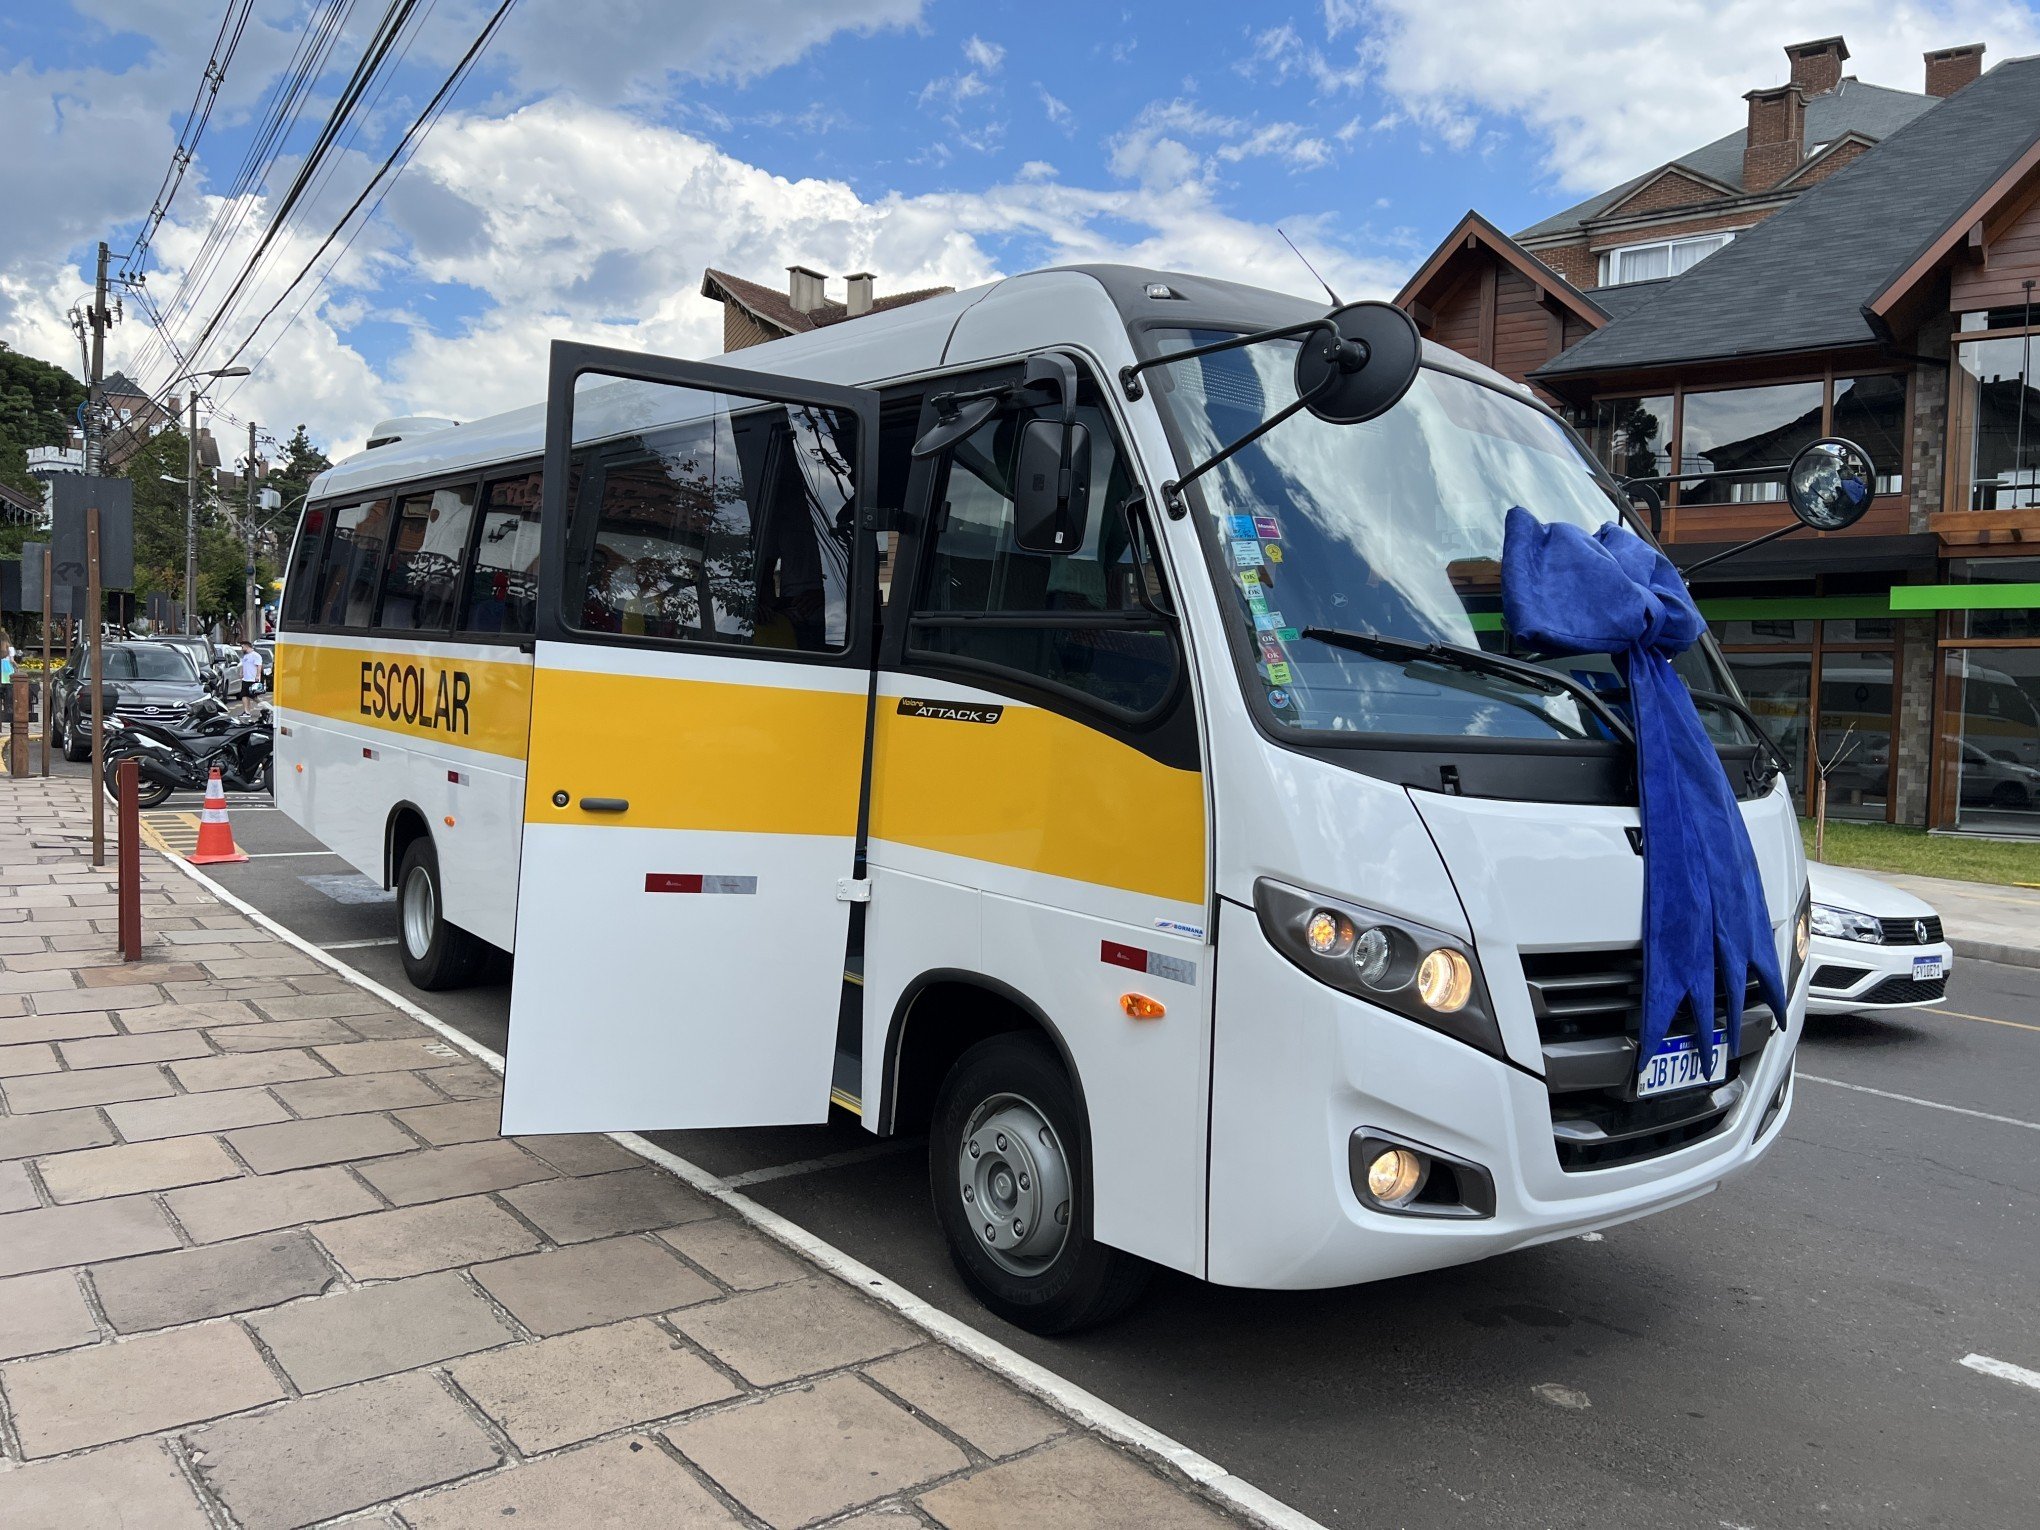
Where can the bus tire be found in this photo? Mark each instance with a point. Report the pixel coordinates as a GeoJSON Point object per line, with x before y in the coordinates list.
{"type": "Point", "coordinates": [437, 955]}
{"type": "Point", "coordinates": [1009, 1168]}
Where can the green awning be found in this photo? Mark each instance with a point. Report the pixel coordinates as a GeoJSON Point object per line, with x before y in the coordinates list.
{"type": "Point", "coordinates": [1964, 597]}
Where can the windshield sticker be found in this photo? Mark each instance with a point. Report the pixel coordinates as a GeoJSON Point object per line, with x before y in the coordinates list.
{"type": "Point", "coordinates": [1271, 648]}
{"type": "Point", "coordinates": [1268, 621]}
{"type": "Point", "coordinates": [1250, 578]}
{"type": "Point", "coordinates": [1247, 555]}
{"type": "Point", "coordinates": [1273, 552]}
{"type": "Point", "coordinates": [1266, 528]}
{"type": "Point", "coordinates": [1240, 527]}
{"type": "Point", "coordinates": [1256, 601]}
{"type": "Point", "coordinates": [1279, 673]}
{"type": "Point", "coordinates": [1287, 634]}
{"type": "Point", "coordinates": [1278, 698]}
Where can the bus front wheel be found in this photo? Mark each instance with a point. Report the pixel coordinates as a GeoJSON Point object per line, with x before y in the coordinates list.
{"type": "Point", "coordinates": [1012, 1191]}
{"type": "Point", "coordinates": [436, 954]}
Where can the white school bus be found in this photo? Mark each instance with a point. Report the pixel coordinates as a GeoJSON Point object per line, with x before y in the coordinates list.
{"type": "Point", "coordinates": [925, 715]}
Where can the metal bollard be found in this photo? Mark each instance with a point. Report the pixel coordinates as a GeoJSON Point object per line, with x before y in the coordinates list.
{"type": "Point", "coordinates": [130, 776]}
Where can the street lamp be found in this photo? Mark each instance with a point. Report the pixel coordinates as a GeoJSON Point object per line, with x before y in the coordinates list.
{"type": "Point", "coordinates": [191, 492]}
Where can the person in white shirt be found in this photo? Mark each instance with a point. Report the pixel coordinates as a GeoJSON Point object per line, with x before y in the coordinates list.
{"type": "Point", "coordinates": [251, 675]}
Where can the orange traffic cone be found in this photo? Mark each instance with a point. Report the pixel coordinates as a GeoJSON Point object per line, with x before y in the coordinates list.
{"type": "Point", "coordinates": [215, 838]}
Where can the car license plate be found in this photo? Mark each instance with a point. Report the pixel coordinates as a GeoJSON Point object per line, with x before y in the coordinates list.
{"type": "Point", "coordinates": [1927, 968]}
{"type": "Point", "coordinates": [1680, 1066]}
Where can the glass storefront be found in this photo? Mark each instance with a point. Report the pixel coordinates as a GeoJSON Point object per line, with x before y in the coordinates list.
{"type": "Point", "coordinates": [1996, 438]}
{"type": "Point", "coordinates": [1871, 412]}
{"type": "Point", "coordinates": [1735, 428]}
{"type": "Point", "coordinates": [1990, 704]}
{"type": "Point", "coordinates": [1633, 436]}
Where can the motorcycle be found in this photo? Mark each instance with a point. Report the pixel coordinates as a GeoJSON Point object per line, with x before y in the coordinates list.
{"type": "Point", "coordinates": [182, 757]}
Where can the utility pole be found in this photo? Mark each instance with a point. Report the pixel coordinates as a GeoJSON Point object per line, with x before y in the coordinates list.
{"type": "Point", "coordinates": [100, 320]}
{"type": "Point", "coordinates": [250, 630]}
{"type": "Point", "coordinates": [191, 517]}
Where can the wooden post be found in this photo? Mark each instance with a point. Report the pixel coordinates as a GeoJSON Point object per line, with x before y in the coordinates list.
{"type": "Point", "coordinates": [98, 672]}
{"type": "Point", "coordinates": [130, 859]}
{"type": "Point", "coordinates": [49, 727]}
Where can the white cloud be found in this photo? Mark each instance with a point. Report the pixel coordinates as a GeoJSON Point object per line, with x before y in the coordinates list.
{"type": "Point", "coordinates": [984, 55]}
{"type": "Point", "coordinates": [1055, 109]}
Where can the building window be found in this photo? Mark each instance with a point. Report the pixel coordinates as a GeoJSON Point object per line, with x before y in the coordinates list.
{"type": "Point", "coordinates": [1996, 427]}
{"type": "Point", "coordinates": [1657, 260]}
{"type": "Point", "coordinates": [1633, 436]}
{"type": "Point", "coordinates": [1740, 428]}
{"type": "Point", "coordinates": [1871, 412]}
{"type": "Point", "coordinates": [1990, 720]}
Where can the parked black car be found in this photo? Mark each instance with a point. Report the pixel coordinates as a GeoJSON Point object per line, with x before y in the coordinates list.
{"type": "Point", "coordinates": [204, 656]}
{"type": "Point", "coordinates": [151, 681]}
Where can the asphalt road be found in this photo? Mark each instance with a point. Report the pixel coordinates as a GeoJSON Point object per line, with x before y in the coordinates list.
{"type": "Point", "coordinates": [1785, 1352]}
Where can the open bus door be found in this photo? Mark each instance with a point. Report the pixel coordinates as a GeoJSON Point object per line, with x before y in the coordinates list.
{"type": "Point", "coordinates": [701, 689]}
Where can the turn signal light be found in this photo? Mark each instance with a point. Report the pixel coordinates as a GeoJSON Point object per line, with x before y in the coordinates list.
{"type": "Point", "coordinates": [449, 820]}
{"type": "Point", "coordinates": [1139, 1006]}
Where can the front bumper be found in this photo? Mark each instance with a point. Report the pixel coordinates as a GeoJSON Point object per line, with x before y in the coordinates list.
{"type": "Point", "coordinates": [1852, 975]}
{"type": "Point", "coordinates": [1299, 1067]}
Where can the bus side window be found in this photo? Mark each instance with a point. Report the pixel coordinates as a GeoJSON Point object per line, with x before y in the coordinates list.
{"type": "Point", "coordinates": [502, 582]}
{"type": "Point", "coordinates": [301, 584]}
{"type": "Point", "coordinates": [425, 559]}
{"type": "Point", "coordinates": [1091, 632]}
{"type": "Point", "coordinates": [350, 575]}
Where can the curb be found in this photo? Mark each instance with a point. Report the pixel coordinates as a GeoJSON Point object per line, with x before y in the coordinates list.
{"type": "Point", "coordinates": [1233, 1494]}
{"type": "Point", "coordinates": [1993, 951]}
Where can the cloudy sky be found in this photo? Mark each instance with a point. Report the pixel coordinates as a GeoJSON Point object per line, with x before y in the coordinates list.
{"type": "Point", "coordinates": [602, 152]}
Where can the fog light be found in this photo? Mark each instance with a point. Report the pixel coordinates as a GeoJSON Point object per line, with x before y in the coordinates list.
{"type": "Point", "coordinates": [1445, 980]}
{"type": "Point", "coordinates": [1328, 934]}
{"type": "Point", "coordinates": [1395, 1176]}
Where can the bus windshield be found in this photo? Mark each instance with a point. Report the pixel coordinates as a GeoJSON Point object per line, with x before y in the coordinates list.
{"type": "Point", "coordinates": [1391, 528]}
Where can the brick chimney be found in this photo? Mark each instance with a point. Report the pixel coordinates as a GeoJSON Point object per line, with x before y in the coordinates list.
{"type": "Point", "coordinates": [1775, 142]}
{"type": "Point", "coordinates": [1949, 69]}
{"type": "Point", "coordinates": [803, 289]}
{"type": "Point", "coordinates": [860, 293]}
{"type": "Point", "coordinates": [1817, 65]}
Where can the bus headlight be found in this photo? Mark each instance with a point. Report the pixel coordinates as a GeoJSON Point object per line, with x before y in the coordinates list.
{"type": "Point", "coordinates": [1422, 974]}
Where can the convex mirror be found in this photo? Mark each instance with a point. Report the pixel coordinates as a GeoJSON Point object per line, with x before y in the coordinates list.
{"type": "Point", "coordinates": [1830, 484]}
{"type": "Point", "coordinates": [1362, 371]}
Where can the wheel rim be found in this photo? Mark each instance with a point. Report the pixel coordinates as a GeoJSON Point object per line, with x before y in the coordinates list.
{"type": "Point", "coordinates": [421, 912]}
{"type": "Point", "coordinates": [1013, 1179]}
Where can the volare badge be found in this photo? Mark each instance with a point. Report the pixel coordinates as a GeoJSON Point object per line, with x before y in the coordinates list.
{"type": "Point", "coordinates": [950, 711]}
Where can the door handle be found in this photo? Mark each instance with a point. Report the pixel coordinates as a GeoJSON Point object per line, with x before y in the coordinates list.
{"type": "Point", "coordinates": [605, 804]}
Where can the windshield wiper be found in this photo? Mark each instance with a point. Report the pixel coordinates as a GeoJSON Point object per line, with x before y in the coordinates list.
{"type": "Point", "coordinates": [1475, 661]}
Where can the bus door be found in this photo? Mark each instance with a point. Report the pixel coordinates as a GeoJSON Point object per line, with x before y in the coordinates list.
{"type": "Point", "coordinates": [701, 688]}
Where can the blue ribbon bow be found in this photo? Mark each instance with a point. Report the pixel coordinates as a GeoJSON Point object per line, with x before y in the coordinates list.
{"type": "Point", "coordinates": [1704, 918]}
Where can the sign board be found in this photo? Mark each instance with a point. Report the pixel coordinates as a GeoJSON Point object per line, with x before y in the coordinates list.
{"type": "Point", "coordinates": [70, 494]}
{"type": "Point", "coordinates": [31, 576]}
{"type": "Point", "coordinates": [10, 585]}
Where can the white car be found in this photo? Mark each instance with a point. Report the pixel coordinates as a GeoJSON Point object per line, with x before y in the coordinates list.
{"type": "Point", "coordinates": [1874, 946]}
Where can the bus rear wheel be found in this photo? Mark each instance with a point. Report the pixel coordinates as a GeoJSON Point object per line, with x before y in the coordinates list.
{"type": "Point", "coordinates": [1013, 1192]}
{"type": "Point", "coordinates": [436, 954]}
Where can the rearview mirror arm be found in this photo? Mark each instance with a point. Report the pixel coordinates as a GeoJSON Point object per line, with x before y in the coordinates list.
{"type": "Point", "coordinates": [1129, 376]}
{"type": "Point", "coordinates": [1741, 547]}
{"type": "Point", "coordinates": [1172, 491]}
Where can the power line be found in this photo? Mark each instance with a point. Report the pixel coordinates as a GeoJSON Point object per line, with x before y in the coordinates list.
{"type": "Point", "coordinates": [195, 120]}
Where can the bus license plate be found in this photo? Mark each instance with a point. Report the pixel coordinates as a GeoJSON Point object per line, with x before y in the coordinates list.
{"type": "Point", "coordinates": [1927, 968]}
{"type": "Point", "coordinates": [1680, 1066]}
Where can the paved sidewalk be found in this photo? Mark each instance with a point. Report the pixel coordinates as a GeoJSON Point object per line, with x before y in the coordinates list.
{"type": "Point", "coordinates": [264, 1261]}
{"type": "Point", "coordinates": [1983, 920]}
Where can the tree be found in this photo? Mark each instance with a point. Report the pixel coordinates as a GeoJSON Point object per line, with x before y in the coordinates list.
{"type": "Point", "coordinates": [302, 462]}
{"type": "Point", "coordinates": [38, 407]}
{"type": "Point", "coordinates": [159, 533]}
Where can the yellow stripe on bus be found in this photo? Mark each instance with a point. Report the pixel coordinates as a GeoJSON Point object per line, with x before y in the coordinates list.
{"type": "Point", "coordinates": [482, 704]}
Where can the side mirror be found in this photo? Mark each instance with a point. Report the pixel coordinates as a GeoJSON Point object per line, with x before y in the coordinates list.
{"type": "Point", "coordinates": [1830, 484]}
{"type": "Point", "coordinates": [1642, 497]}
{"type": "Point", "coordinates": [1052, 487]}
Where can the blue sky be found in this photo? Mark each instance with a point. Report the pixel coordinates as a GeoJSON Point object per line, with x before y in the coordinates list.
{"type": "Point", "coordinates": [606, 150]}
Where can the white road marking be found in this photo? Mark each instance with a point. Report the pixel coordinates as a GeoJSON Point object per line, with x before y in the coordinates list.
{"type": "Point", "coordinates": [1236, 1493]}
{"type": "Point", "coordinates": [1913, 1099]}
{"type": "Point", "coordinates": [359, 945]}
{"type": "Point", "coordinates": [2004, 1370]}
{"type": "Point", "coordinates": [817, 1165]}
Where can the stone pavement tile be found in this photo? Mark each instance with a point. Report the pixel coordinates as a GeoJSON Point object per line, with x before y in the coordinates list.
{"type": "Point", "coordinates": [357, 1092]}
{"type": "Point", "coordinates": [565, 1390]}
{"type": "Point", "coordinates": [618, 1485]}
{"type": "Point", "coordinates": [51, 1027]}
{"type": "Point", "coordinates": [136, 1486]}
{"type": "Point", "coordinates": [469, 1081]}
{"type": "Point", "coordinates": [582, 1154]}
{"type": "Point", "coordinates": [967, 1400]}
{"type": "Point", "coordinates": [794, 1330]}
{"type": "Point", "coordinates": [248, 1070]}
{"type": "Point", "coordinates": [182, 1114]}
{"type": "Point", "coordinates": [321, 1456]}
{"type": "Point", "coordinates": [259, 966]}
{"type": "Point", "coordinates": [380, 1025]}
{"type": "Point", "coordinates": [17, 1192]}
{"type": "Point", "coordinates": [329, 1139]}
{"type": "Point", "coordinates": [141, 972]}
{"type": "Point", "coordinates": [110, 1051]}
{"type": "Point", "coordinates": [92, 1086]}
{"type": "Point", "coordinates": [591, 1283]}
{"type": "Point", "coordinates": [61, 1235]}
{"type": "Point", "coordinates": [40, 1313]}
{"type": "Point", "coordinates": [192, 1017]}
{"type": "Point", "coordinates": [17, 981]}
{"type": "Point", "coordinates": [98, 1174]}
{"type": "Point", "coordinates": [439, 1235]}
{"type": "Point", "coordinates": [466, 1168]}
{"type": "Point", "coordinates": [258, 1203]}
{"type": "Point", "coordinates": [734, 1254]}
{"type": "Point", "coordinates": [57, 1131]}
{"type": "Point", "coordinates": [637, 1200]}
{"type": "Point", "coordinates": [111, 1391]}
{"type": "Point", "coordinates": [338, 1006]}
{"type": "Point", "coordinates": [29, 1057]}
{"type": "Point", "coordinates": [270, 1035]}
{"type": "Point", "coordinates": [457, 1121]}
{"type": "Point", "coordinates": [187, 1284]}
{"type": "Point", "coordinates": [374, 1330]}
{"type": "Point", "coordinates": [852, 1445]}
{"type": "Point", "coordinates": [392, 1056]}
{"type": "Point", "coordinates": [1073, 1485]}
{"type": "Point", "coordinates": [134, 996]}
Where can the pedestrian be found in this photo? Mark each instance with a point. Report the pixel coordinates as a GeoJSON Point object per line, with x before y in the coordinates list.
{"type": "Point", "coordinates": [251, 676]}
